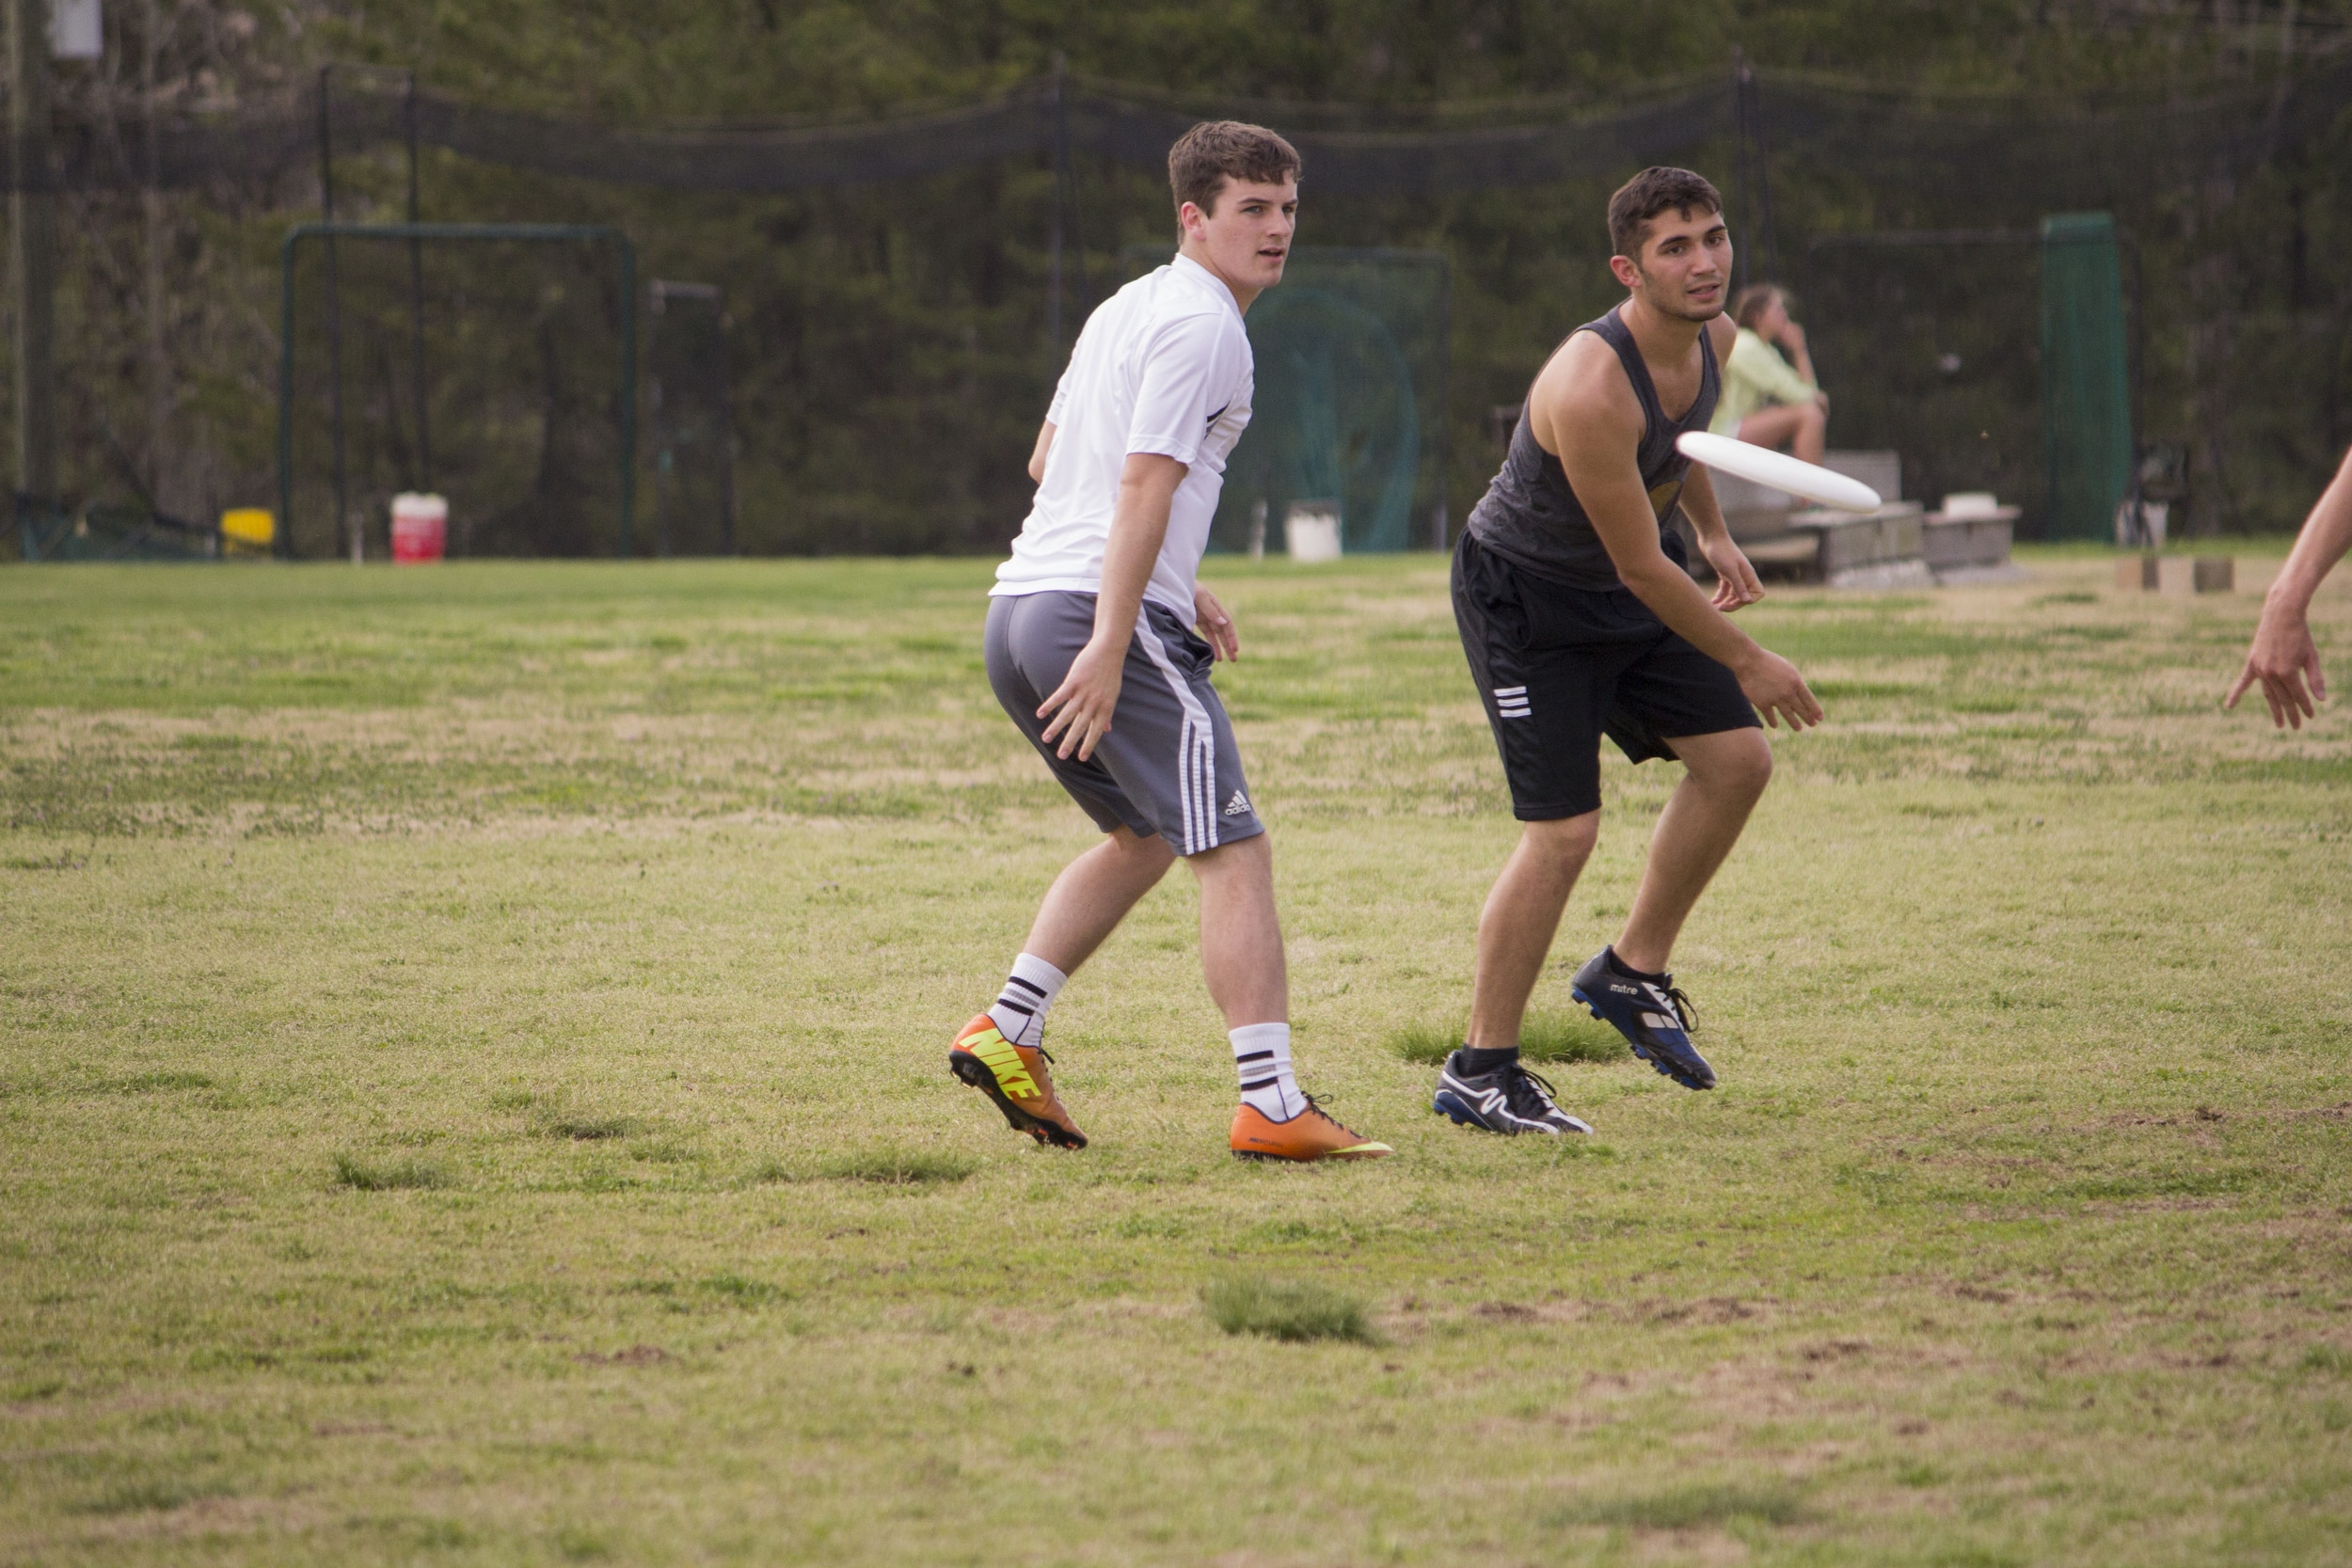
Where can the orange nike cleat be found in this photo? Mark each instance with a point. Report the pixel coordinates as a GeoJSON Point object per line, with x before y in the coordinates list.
{"type": "Point", "coordinates": [1311, 1135]}
{"type": "Point", "coordinates": [1016, 1077]}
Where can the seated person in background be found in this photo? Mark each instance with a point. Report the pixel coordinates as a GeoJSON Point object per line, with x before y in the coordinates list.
{"type": "Point", "coordinates": [1767, 401]}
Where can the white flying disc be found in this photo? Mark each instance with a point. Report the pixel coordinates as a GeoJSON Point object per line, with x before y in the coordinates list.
{"type": "Point", "coordinates": [1777, 470]}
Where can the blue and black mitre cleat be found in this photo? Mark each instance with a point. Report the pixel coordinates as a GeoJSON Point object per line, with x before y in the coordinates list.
{"type": "Point", "coordinates": [1509, 1101]}
{"type": "Point", "coordinates": [1654, 1017]}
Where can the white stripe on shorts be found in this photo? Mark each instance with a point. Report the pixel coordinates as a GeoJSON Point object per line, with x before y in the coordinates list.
{"type": "Point", "coordinates": [1195, 748]}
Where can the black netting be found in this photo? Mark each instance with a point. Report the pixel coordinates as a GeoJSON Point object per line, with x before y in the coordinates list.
{"type": "Point", "coordinates": [1929, 347]}
{"type": "Point", "coordinates": [521, 425]}
{"type": "Point", "coordinates": [893, 325]}
{"type": "Point", "coordinates": [2011, 151]}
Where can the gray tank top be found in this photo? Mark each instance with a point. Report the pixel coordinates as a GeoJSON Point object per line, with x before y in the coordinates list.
{"type": "Point", "coordinates": [1530, 517]}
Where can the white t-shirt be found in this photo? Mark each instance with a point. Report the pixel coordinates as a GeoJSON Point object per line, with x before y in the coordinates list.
{"type": "Point", "coordinates": [1163, 365]}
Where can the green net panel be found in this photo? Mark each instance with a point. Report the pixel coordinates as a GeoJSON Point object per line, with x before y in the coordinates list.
{"type": "Point", "coordinates": [1351, 353]}
{"type": "Point", "coordinates": [2086, 376]}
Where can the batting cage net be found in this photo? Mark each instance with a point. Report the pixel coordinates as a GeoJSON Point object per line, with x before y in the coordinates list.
{"type": "Point", "coordinates": [488, 370]}
{"type": "Point", "coordinates": [881, 358]}
{"type": "Point", "coordinates": [1928, 341]}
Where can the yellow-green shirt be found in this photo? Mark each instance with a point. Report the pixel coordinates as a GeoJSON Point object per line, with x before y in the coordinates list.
{"type": "Point", "coordinates": [1755, 377]}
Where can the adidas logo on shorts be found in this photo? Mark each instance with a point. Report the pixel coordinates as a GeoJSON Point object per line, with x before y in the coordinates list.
{"type": "Point", "coordinates": [1511, 701]}
{"type": "Point", "coordinates": [1238, 805]}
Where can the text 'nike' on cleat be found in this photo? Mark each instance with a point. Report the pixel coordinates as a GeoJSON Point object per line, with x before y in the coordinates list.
{"type": "Point", "coordinates": [1311, 1134]}
{"type": "Point", "coordinates": [1655, 1018]}
{"type": "Point", "coordinates": [1016, 1078]}
{"type": "Point", "coordinates": [1510, 1101]}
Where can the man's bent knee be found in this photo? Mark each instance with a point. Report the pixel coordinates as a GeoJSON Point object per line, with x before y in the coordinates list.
{"type": "Point", "coordinates": [1134, 849]}
{"type": "Point", "coordinates": [1249, 856]}
{"type": "Point", "coordinates": [1566, 840]}
{"type": "Point", "coordinates": [1738, 762]}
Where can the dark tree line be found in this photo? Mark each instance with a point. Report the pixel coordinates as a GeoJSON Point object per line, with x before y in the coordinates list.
{"type": "Point", "coordinates": [889, 345]}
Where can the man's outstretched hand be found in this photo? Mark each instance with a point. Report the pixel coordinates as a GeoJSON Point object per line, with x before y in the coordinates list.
{"type": "Point", "coordinates": [1737, 585]}
{"type": "Point", "coordinates": [1779, 692]}
{"type": "Point", "coordinates": [2283, 656]}
{"type": "Point", "coordinates": [1215, 624]}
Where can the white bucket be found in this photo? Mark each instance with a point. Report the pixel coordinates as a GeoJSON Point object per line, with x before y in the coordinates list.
{"type": "Point", "coordinates": [1311, 528]}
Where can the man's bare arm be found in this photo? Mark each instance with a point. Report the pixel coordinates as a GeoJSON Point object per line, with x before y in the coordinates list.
{"type": "Point", "coordinates": [2283, 655]}
{"type": "Point", "coordinates": [1089, 692]}
{"type": "Point", "coordinates": [1037, 456]}
{"type": "Point", "coordinates": [1736, 582]}
{"type": "Point", "coordinates": [1582, 409]}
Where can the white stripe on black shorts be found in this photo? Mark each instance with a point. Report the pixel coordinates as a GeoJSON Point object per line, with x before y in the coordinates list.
{"type": "Point", "coordinates": [1168, 765]}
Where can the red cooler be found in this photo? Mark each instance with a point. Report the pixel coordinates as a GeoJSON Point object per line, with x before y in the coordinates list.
{"type": "Point", "coordinates": [420, 526]}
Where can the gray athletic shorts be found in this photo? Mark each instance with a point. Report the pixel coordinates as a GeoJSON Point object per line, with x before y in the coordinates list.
{"type": "Point", "coordinates": [1167, 765]}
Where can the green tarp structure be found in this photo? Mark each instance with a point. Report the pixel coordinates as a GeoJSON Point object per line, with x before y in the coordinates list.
{"type": "Point", "coordinates": [1351, 354]}
{"type": "Point", "coordinates": [2085, 377]}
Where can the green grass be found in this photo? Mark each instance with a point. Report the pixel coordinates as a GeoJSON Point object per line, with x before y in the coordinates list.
{"type": "Point", "coordinates": [638, 903]}
{"type": "Point", "coordinates": [898, 1167]}
{"type": "Point", "coordinates": [1292, 1309]}
{"type": "Point", "coordinates": [1546, 1036]}
{"type": "Point", "coordinates": [370, 1177]}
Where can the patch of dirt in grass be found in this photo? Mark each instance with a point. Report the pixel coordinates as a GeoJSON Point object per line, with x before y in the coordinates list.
{"type": "Point", "coordinates": [636, 1356]}
{"type": "Point", "coordinates": [208, 1515]}
{"type": "Point", "coordinates": [1834, 1350]}
{"type": "Point", "coordinates": [1695, 1506]}
{"type": "Point", "coordinates": [1709, 1310]}
{"type": "Point", "coordinates": [1504, 1313]}
{"type": "Point", "coordinates": [583, 1129]}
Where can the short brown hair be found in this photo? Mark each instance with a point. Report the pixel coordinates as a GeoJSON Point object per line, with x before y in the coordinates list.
{"type": "Point", "coordinates": [1217, 151]}
{"type": "Point", "coordinates": [1749, 304]}
{"type": "Point", "coordinates": [1650, 193]}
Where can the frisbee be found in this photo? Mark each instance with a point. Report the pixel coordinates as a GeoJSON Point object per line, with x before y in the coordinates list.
{"type": "Point", "coordinates": [1777, 470]}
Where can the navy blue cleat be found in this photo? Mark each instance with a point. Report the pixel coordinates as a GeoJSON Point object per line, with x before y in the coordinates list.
{"type": "Point", "coordinates": [1509, 1101]}
{"type": "Point", "coordinates": [1656, 1019]}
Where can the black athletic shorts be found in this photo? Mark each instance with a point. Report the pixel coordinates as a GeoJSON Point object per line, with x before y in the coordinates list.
{"type": "Point", "coordinates": [1558, 667]}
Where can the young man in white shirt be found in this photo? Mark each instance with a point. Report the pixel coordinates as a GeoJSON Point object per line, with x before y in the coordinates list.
{"type": "Point", "coordinates": [1090, 650]}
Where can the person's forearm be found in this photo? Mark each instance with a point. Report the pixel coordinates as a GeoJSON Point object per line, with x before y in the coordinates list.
{"type": "Point", "coordinates": [1670, 594]}
{"type": "Point", "coordinates": [2326, 535]}
{"type": "Point", "coordinates": [1038, 454]}
{"type": "Point", "coordinates": [1701, 505]}
{"type": "Point", "coordinates": [1138, 528]}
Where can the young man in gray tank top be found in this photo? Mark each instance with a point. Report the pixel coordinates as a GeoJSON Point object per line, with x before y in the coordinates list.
{"type": "Point", "coordinates": [1580, 619]}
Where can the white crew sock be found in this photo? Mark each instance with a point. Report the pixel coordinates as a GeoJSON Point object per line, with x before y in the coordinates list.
{"type": "Point", "coordinates": [1020, 1010]}
{"type": "Point", "coordinates": [1261, 1055]}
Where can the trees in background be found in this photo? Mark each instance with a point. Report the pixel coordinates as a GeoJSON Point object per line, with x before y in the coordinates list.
{"type": "Point", "coordinates": [891, 351]}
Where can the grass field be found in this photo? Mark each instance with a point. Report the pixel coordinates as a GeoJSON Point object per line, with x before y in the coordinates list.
{"type": "Point", "coordinates": [471, 1092]}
